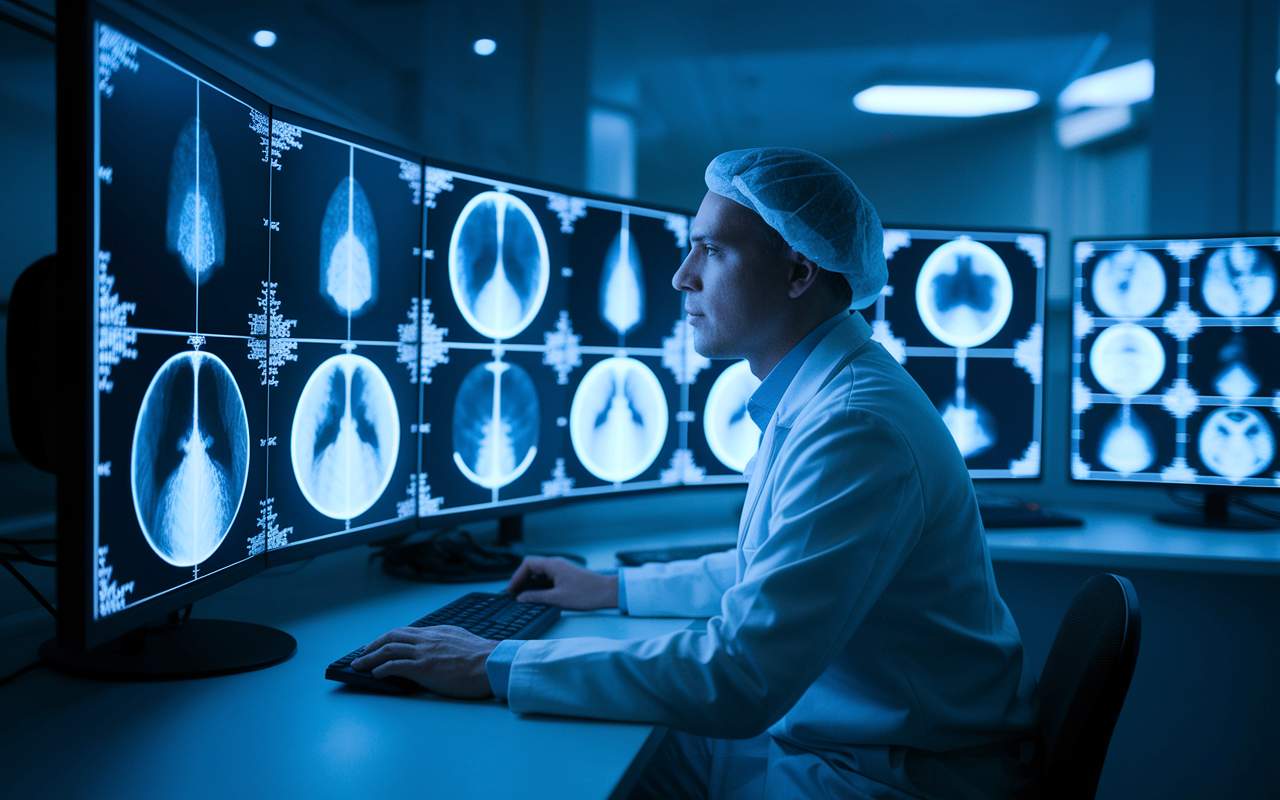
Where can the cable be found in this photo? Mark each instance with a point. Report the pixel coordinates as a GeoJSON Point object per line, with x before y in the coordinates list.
{"type": "Point", "coordinates": [20, 542]}
{"type": "Point", "coordinates": [44, 662]}
{"type": "Point", "coordinates": [26, 555]}
{"type": "Point", "coordinates": [5, 563]}
{"type": "Point", "coordinates": [1255, 507]}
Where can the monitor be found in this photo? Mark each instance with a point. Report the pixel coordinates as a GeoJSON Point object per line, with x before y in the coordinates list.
{"type": "Point", "coordinates": [963, 312]}
{"type": "Point", "coordinates": [1173, 377]}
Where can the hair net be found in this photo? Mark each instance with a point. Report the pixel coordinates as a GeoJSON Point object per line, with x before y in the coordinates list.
{"type": "Point", "coordinates": [815, 207]}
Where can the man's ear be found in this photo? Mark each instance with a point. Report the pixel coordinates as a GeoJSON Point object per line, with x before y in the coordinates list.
{"type": "Point", "coordinates": [803, 273]}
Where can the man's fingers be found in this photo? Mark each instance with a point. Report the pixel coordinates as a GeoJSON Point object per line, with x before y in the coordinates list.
{"type": "Point", "coordinates": [536, 596]}
{"type": "Point", "coordinates": [522, 572]}
{"type": "Point", "coordinates": [399, 669]}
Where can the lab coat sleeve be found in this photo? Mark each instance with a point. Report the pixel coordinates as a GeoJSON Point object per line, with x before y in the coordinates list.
{"type": "Point", "coordinates": [845, 513]}
{"type": "Point", "coordinates": [692, 588]}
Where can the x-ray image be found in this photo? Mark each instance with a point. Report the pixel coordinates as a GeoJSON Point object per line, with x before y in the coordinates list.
{"type": "Point", "coordinates": [1127, 360]}
{"type": "Point", "coordinates": [1238, 282]}
{"type": "Point", "coordinates": [622, 283]}
{"type": "Point", "coordinates": [1126, 444]}
{"type": "Point", "coordinates": [731, 433]}
{"type": "Point", "coordinates": [1236, 443]}
{"type": "Point", "coordinates": [190, 458]}
{"type": "Point", "coordinates": [1129, 284]}
{"type": "Point", "coordinates": [348, 250]}
{"type": "Point", "coordinates": [346, 436]}
{"type": "Point", "coordinates": [498, 264]}
{"type": "Point", "coordinates": [496, 420]}
{"type": "Point", "coordinates": [196, 228]}
{"type": "Point", "coordinates": [971, 425]}
{"type": "Point", "coordinates": [964, 293]}
{"type": "Point", "coordinates": [618, 419]}
{"type": "Point", "coordinates": [1236, 379]}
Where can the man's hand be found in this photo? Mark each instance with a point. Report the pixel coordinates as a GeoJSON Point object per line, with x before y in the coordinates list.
{"type": "Point", "coordinates": [574, 587]}
{"type": "Point", "coordinates": [444, 659]}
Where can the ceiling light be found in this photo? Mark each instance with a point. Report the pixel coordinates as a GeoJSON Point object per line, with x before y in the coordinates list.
{"type": "Point", "coordinates": [1120, 86]}
{"type": "Point", "coordinates": [1092, 124]}
{"type": "Point", "coordinates": [264, 38]}
{"type": "Point", "coordinates": [484, 47]}
{"type": "Point", "coordinates": [943, 101]}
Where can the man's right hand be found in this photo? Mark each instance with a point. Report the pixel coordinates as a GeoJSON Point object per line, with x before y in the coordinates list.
{"type": "Point", "coordinates": [573, 587]}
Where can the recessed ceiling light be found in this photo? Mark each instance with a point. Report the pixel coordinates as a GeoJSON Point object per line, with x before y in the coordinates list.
{"type": "Point", "coordinates": [1092, 125]}
{"type": "Point", "coordinates": [264, 38]}
{"type": "Point", "coordinates": [1120, 86]}
{"type": "Point", "coordinates": [484, 47]}
{"type": "Point", "coordinates": [943, 101]}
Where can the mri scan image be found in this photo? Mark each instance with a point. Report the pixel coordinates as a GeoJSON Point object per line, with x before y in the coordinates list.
{"type": "Point", "coordinates": [496, 420]}
{"type": "Point", "coordinates": [731, 433]}
{"type": "Point", "coordinates": [190, 458]}
{"type": "Point", "coordinates": [1236, 443]}
{"type": "Point", "coordinates": [1129, 284]}
{"type": "Point", "coordinates": [618, 419]}
{"type": "Point", "coordinates": [1126, 444]}
{"type": "Point", "coordinates": [622, 283]}
{"type": "Point", "coordinates": [1127, 360]}
{"type": "Point", "coordinates": [1238, 282]}
{"type": "Point", "coordinates": [348, 250]}
{"type": "Point", "coordinates": [1236, 379]}
{"type": "Point", "coordinates": [498, 264]}
{"type": "Point", "coordinates": [964, 293]}
{"type": "Point", "coordinates": [971, 424]}
{"type": "Point", "coordinates": [346, 436]}
{"type": "Point", "coordinates": [195, 227]}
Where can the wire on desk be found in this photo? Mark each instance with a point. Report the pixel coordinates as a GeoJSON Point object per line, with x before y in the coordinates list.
{"type": "Point", "coordinates": [44, 662]}
{"type": "Point", "coordinates": [1255, 507]}
{"type": "Point", "coordinates": [24, 555]}
{"type": "Point", "coordinates": [5, 563]}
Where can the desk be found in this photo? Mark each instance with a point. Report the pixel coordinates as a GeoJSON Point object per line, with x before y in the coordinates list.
{"type": "Point", "coordinates": [286, 732]}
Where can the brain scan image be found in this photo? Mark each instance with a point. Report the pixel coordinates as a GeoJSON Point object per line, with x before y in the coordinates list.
{"type": "Point", "coordinates": [498, 264]}
{"type": "Point", "coordinates": [618, 419]}
{"type": "Point", "coordinates": [1238, 282]}
{"type": "Point", "coordinates": [1236, 379]}
{"type": "Point", "coordinates": [971, 425]}
{"type": "Point", "coordinates": [1126, 444]}
{"type": "Point", "coordinates": [496, 420]}
{"type": "Point", "coordinates": [622, 283]}
{"type": "Point", "coordinates": [1129, 284]}
{"type": "Point", "coordinates": [1127, 360]}
{"type": "Point", "coordinates": [190, 460]}
{"type": "Point", "coordinates": [964, 293]}
{"type": "Point", "coordinates": [348, 250]}
{"type": "Point", "coordinates": [1236, 443]}
{"type": "Point", "coordinates": [195, 227]}
{"type": "Point", "coordinates": [731, 433]}
{"type": "Point", "coordinates": [346, 436]}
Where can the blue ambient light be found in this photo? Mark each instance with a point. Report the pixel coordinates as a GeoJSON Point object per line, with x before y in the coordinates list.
{"type": "Point", "coordinates": [264, 38]}
{"type": "Point", "coordinates": [943, 101]}
{"type": "Point", "coordinates": [484, 47]}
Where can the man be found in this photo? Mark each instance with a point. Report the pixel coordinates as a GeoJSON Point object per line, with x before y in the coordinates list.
{"type": "Point", "coordinates": [856, 644]}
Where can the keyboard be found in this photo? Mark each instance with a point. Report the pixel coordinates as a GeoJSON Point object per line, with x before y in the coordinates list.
{"type": "Point", "coordinates": [634, 558]}
{"type": "Point", "coordinates": [1024, 515]}
{"type": "Point", "coordinates": [492, 616]}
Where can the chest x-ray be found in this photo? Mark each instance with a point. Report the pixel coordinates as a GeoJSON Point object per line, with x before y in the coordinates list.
{"type": "Point", "coordinates": [964, 293]}
{"type": "Point", "coordinates": [1127, 360]}
{"type": "Point", "coordinates": [731, 432]}
{"type": "Point", "coordinates": [622, 283]}
{"type": "Point", "coordinates": [1238, 282]}
{"type": "Point", "coordinates": [346, 436]}
{"type": "Point", "coordinates": [1129, 284]}
{"type": "Point", "coordinates": [1236, 443]}
{"type": "Point", "coordinates": [499, 268]}
{"type": "Point", "coordinates": [348, 250]}
{"type": "Point", "coordinates": [195, 228]}
{"type": "Point", "coordinates": [618, 419]}
{"type": "Point", "coordinates": [190, 460]}
{"type": "Point", "coordinates": [496, 421]}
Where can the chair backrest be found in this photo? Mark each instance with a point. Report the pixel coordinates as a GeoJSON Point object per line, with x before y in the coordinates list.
{"type": "Point", "coordinates": [1084, 682]}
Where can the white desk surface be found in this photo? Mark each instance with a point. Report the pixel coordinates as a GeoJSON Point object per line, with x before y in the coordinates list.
{"type": "Point", "coordinates": [286, 732]}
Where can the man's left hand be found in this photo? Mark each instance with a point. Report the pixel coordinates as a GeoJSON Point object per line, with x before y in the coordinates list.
{"type": "Point", "coordinates": [442, 658]}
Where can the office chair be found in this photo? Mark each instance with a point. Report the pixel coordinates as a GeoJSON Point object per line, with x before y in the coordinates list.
{"type": "Point", "coordinates": [1084, 682]}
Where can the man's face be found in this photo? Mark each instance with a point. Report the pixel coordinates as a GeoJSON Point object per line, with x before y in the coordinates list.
{"type": "Point", "coordinates": [734, 286]}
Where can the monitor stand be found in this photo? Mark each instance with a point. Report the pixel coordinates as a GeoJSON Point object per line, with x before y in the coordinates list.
{"type": "Point", "coordinates": [194, 648]}
{"type": "Point", "coordinates": [1216, 513]}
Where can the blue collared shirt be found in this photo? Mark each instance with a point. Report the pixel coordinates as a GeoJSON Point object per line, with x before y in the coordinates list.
{"type": "Point", "coordinates": [766, 398]}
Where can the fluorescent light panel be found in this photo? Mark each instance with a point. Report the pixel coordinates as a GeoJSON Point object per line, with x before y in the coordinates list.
{"type": "Point", "coordinates": [1092, 124]}
{"type": "Point", "coordinates": [1120, 86]}
{"type": "Point", "coordinates": [943, 101]}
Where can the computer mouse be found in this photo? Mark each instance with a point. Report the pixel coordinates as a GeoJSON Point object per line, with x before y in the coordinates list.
{"type": "Point", "coordinates": [535, 582]}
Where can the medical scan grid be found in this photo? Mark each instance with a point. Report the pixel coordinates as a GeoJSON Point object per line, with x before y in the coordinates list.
{"type": "Point", "coordinates": [963, 312]}
{"type": "Point", "coordinates": [178, 407]}
{"type": "Point", "coordinates": [1173, 377]}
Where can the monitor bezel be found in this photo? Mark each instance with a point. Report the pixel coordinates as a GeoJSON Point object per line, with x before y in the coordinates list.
{"type": "Point", "coordinates": [1108, 483]}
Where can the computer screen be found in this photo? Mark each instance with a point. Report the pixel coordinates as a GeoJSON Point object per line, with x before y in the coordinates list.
{"type": "Point", "coordinates": [1174, 374]}
{"type": "Point", "coordinates": [179, 399]}
{"type": "Point", "coordinates": [963, 312]}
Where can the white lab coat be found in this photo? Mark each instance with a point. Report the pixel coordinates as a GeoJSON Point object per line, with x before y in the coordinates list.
{"type": "Point", "coordinates": [859, 615]}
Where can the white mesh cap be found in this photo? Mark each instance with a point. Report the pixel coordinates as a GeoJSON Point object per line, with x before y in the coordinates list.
{"type": "Point", "coordinates": [814, 206]}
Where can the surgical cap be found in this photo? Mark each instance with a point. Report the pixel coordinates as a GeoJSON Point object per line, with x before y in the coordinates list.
{"type": "Point", "coordinates": [814, 206]}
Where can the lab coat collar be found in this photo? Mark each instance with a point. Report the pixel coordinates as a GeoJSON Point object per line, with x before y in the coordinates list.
{"type": "Point", "coordinates": [831, 354]}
